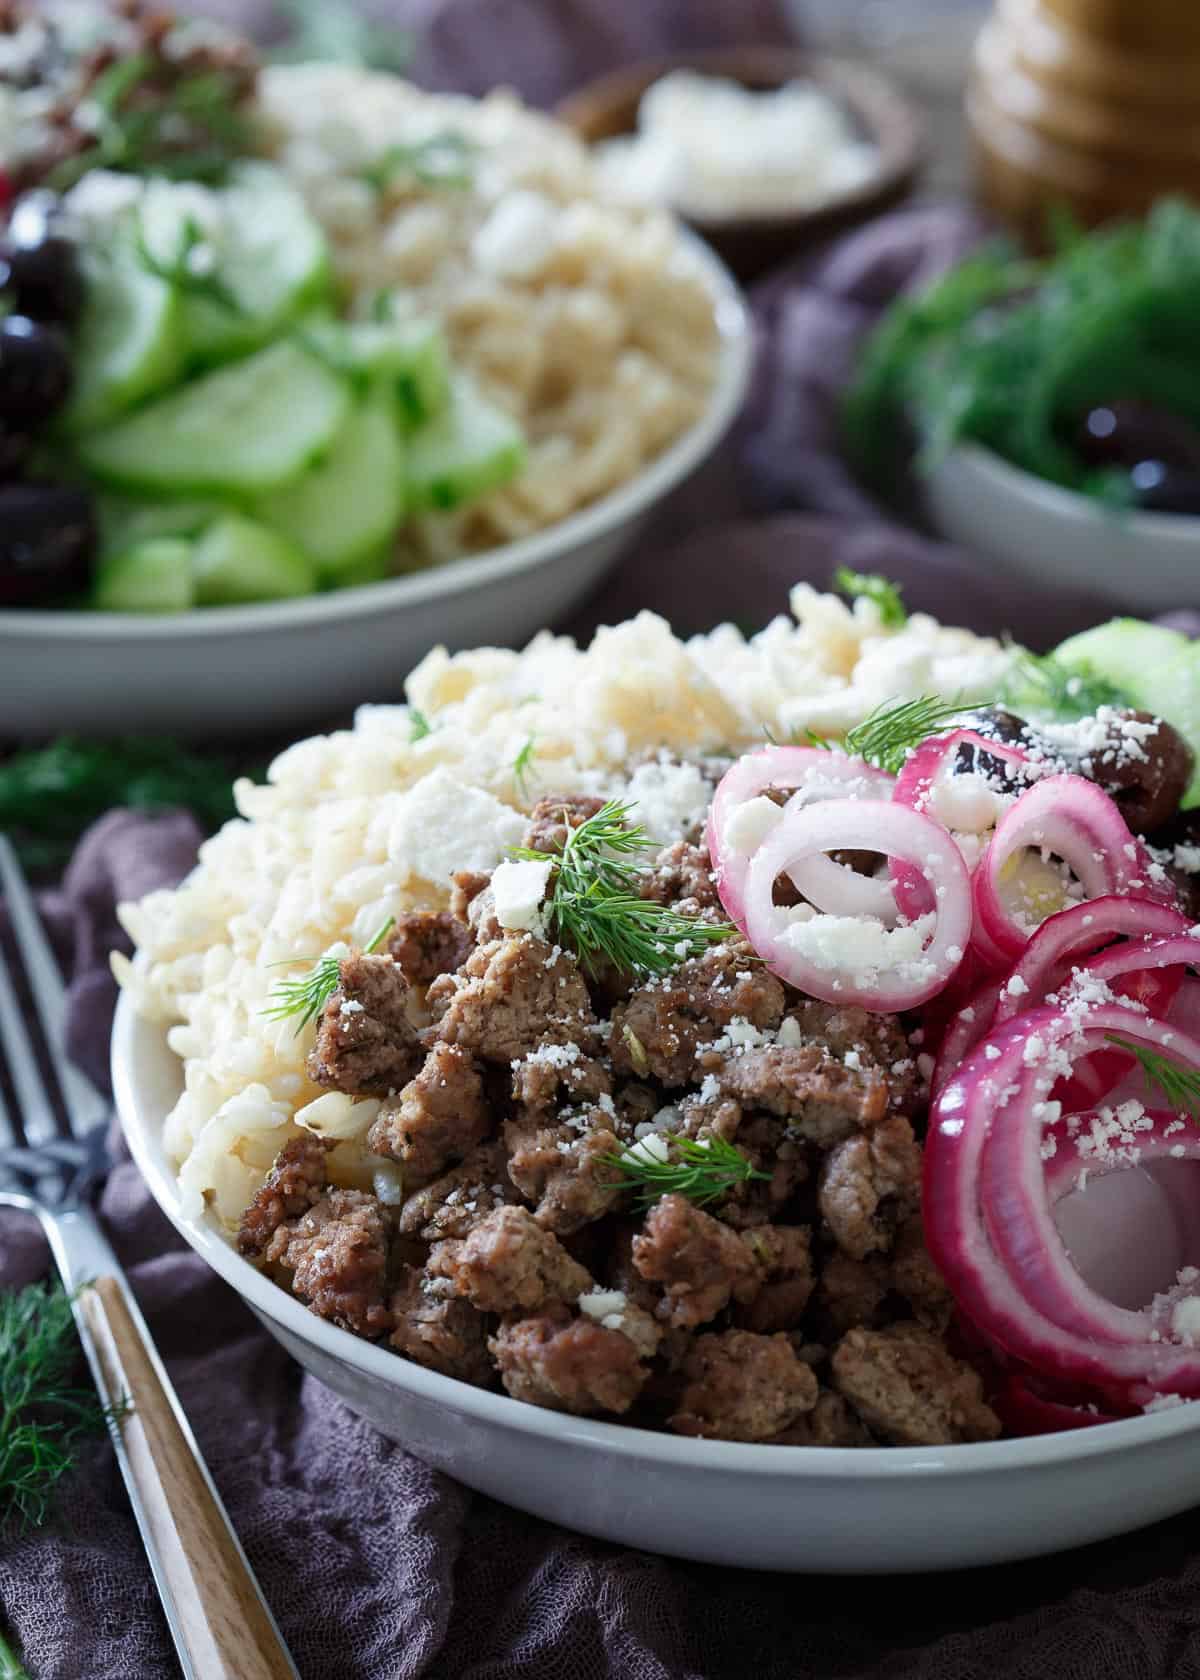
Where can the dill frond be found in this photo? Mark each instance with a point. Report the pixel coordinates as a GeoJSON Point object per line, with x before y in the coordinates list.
{"type": "Point", "coordinates": [872, 586]}
{"type": "Point", "coordinates": [1043, 684]}
{"type": "Point", "coordinates": [419, 725]}
{"type": "Point", "coordinates": [703, 1170]}
{"type": "Point", "coordinates": [891, 732]}
{"type": "Point", "coordinates": [522, 767]}
{"type": "Point", "coordinates": [307, 996]}
{"type": "Point", "coordinates": [1179, 1085]}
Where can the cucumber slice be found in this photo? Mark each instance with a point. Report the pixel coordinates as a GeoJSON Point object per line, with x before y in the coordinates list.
{"type": "Point", "coordinates": [470, 448]}
{"type": "Point", "coordinates": [409, 357]}
{"type": "Point", "coordinates": [352, 501]}
{"type": "Point", "coordinates": [154, 576]}
{"type": "Point", "coordinates": [240, 430]}
{"type": "Point", "coordinates": [129, 344]}
{"type": "Point", "coordinates": [125, 523]}
{"type": "Point", "coordinates": [237, 560]}
{"type": "Point", "coordinates": [1122, 650]}
{"type": "Point", "coordinates": [265, 250]}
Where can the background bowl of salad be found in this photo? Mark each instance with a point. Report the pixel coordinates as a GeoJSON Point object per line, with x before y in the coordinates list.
{"type": "Point", "coordinates": [1053, 407]}
{"type": "Point", "coordinates": [305, 369]}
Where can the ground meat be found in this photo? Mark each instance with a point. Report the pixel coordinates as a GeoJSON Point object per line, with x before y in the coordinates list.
{"type": "Point", "coordinates": [427, 943]}
{"type": "Point", "coordinates": [338, 1254]}
{"type": "Point", "coordinates": [768, 1145]}
{"type": "Point", "coordinates": [783, 1253]}
{"type": "Point", "coordinates": [511, 997]}
{"type": "Point", "coordinates": [553, 816]}
{"type": "Point", "coordinates": [831, 1423]}
{"type": "Point", "coordinates": [297, 1180]}
{"type": "Point", "coordinates": [742, 1387]}
{"type": "Point", "coordinates": [508, 1263]}
{"type": "Point", "coordinates": [439, 1332]}
{"type": "Point", "coordinates": [699, 1118]}
{"type": "Point", "coordinates": [545, 1079]}
{"type": "Point", "coordinates": [851, 1292]}
{"type": "Point", "coordinates": [908, 1390]}
{"type": "Point", "coordinates": [459, 1199]}
{"type": "Point", "coordinates": [682, 876]}
{"type": "Point", "coordinates": [818, 1095]}
{"type": "Point", "coordinates": [440, 1117]}
{"type": "Point", "coordinates": [465, 886]}
{"type": "Point", "coordinates": [701, 1262]}
{"type": "Point", "coordinates": [568, 1364]}
{"type": "Point", "coordinates": [366, 1044]}
{"type": "Point", "coordinates": [569, 1174]}
{"type": "Point", "coordinates": [868, 1040]}
{"type": "Point", "coordinates": [915, 1276]}
{"type": "Point", "coordinates": [660, 1029]}
{"type": "Point", "coordinates": [870, 1184]}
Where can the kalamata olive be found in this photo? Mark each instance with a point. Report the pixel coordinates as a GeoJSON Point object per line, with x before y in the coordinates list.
{"type": "Point", "coordinates": [1160, 488]}
{"type": "Point", "coordinates": [1126, 432]}
{"type": "Point", "coordinates": [47, 541]}
{"type": "Point", "coordinates": [1145, 774]}
{"type": "Point", "coordinates": [995, 723]}
{"type": "Point", "coordinates": [1184, 619]}
{"type": "Point", "coordinates": [35, 372]}
{"type": "Point", "coordinates": [44, 279]}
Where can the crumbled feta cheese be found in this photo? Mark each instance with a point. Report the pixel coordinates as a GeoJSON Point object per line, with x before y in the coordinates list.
{"type": "Point", "coordinates": [518, 889]}
{"type": "Point", "coordinates": [441, 825]}
{"type": "Point", "coordinates": [861, 947]}
{"type": "Point", "coordinates": [668, 799]}
{"type": "Point", "coordinates": [749, 823]}
{"type": "Point", "coordinates": [600, 1303]}
{"type": "Point", "coordinates": [652, 1150]}
{"type": "Point", "coordinates": [789, 1035]}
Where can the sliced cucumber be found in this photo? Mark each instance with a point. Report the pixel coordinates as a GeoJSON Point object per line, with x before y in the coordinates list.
{"type": "Point", "coordinates": [470, 448]}
{"type": "Point", "coordinates": [238, 560]}
{"type": "Point", "coordinates": [241, 430]}
{"type": "Point", "coordinates": [129, 344]}
{"type": "Point", "coordinates": [124, 523]}
{"type": "Point", "coordinates": [264, 251]}
{"type": "Point", "coordinates": [154, 576]}
{"type": "Point", "coordinates": [409, 357]}
{"type": "Point", "coordinates": [352, 501]}
{"type": "Point", "coordinates": [1122, 650]}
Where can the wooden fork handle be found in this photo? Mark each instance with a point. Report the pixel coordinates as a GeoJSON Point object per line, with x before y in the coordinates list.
{"type": "Point", "coordinates": [221, 1625]}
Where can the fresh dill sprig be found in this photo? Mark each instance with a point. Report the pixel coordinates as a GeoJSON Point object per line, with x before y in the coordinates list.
{"type": "Point", "coordinates": [1043, 684]}
{"type": "Point", "coordinates": [872, 586]}
{"type": "Point", "coordinates": [441, 160]}
{"type": "Point", "coordinates": [307, 996]}
{"type": "Point", "coordinates": [192, 268]}
{"type": "Point", "coordinates": [1180, 1086]}
{"type": "Point", "coordinates": [43, 1415]}
{"type": "Point", "coordinates": [703, 1170]}
{"type": "Point", "coordinates": [595, 907]}
{"type": "Point", "coordinates": [522, 766]}
{"type": "Point", "coordinates": [891, 732]}
{"type": "Point", "coordinates": [419, 725]}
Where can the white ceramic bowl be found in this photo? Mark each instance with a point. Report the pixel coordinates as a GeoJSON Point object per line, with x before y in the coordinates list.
{"type": "Point", "coordinates": [253, 670]}
{"type": "Point", "coordinates": [827, 1510]}
{"type": "Point", "coordinates": [1041, 533]}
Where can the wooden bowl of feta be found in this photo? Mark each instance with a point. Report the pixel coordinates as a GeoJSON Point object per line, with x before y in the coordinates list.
{"type": "Point", "coordinates": [760, 150]}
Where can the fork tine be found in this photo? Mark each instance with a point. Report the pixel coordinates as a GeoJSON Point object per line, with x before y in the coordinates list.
{"type": "Point", "coordinates": [33, 1103]}
{"type": "Point", "coordinates": [9, 1134]}
{"type": "Point", "coordinates": [84, 1103]}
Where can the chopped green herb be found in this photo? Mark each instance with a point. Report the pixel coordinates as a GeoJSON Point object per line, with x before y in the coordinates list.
{"type": "Point", "coordinates": [871, 586]}
{"type": "Point", "coordinates": [419, 725]}
{"type": "Point", "coordinates": [1042, 685]}
{"type": "Point", "coordinates": [442, 160]}
{"type": "Point", "coordinates": [43, 1415]}
{"type": "Point", "coordinates": [307, 997]}
{"type": "Point", "coordinates": [595, 907]}
{"type": "Point", "coordinates": [191, 268]}
{"type": "Point", "coordinates": [1180, 1086]}
{"type": "Point", "coordinates": [891, 732]}
{"type": "Point", "coordinates": [703, 1170]}
{"type": "Point", "coordinates": [523, 766]}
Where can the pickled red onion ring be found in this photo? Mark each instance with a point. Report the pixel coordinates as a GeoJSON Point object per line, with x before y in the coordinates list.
{"type": "Point", "coordinates": [829, 885]}
{"type": "Point", "coordinates": [815, 952]}
{"type": "Point", "coordinates": [1076, 821]}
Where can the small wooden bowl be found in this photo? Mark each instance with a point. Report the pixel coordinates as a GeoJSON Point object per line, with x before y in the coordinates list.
{"type": "Point", "coordinates": [750, 244]}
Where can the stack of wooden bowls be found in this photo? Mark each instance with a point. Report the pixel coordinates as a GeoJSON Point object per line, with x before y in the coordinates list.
{"type": "Point", "coordinates": [1088, 105]}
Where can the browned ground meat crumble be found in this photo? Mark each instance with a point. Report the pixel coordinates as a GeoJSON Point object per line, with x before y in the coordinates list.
{"type": "Point", "coordinates": [801, 1308]}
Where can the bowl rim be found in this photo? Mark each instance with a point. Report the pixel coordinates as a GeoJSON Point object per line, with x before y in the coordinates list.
{"type": "Point", "coordinates": [1056, 501]}
{"type": "Point", "coordinates": [135, 1037]}
{"type": "Point", "coordinates": [736, 344]}
{"type": "Point", "coordinates": [891, 119]}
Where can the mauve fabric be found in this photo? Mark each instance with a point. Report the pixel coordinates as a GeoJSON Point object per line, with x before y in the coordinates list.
{"type": "Point", "coordinates": [378, 1568]}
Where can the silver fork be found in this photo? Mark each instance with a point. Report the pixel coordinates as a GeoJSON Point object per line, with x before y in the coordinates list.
{"type": "Point", "coordinates": [219, 1620]}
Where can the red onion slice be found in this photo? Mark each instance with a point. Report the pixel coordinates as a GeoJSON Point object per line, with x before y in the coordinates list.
{"type": "Point", "coordinates": [817, 774]}
{"type": "Point", "coordinates": [996, 1090]}
{"type": "Point", "coordinates": [1069, 818]}
{"type": "Point", "coordinates": [859, 960]}
{"type": "Point", "coordinates": [1024, 1411]}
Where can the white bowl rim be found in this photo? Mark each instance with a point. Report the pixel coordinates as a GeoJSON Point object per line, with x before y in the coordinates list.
{"type": "Point", "coordinates": [1057, 501]}
{"type": "Point", "coordinates": [735, 359]}
{"type": "Point", "coordinates": [622, 1440]}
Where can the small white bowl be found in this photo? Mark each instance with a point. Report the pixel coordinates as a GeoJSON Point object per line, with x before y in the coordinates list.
{"type": "Point", "coordinates": [828, 1510]}
{"type": "Point", "coordinates": [1045, 535]}
{"type": "Point", "coordinates": [226, 671]}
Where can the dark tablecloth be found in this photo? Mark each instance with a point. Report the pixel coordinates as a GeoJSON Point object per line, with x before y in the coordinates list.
{"type": "Point", "coordinates": [378, 1568]}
